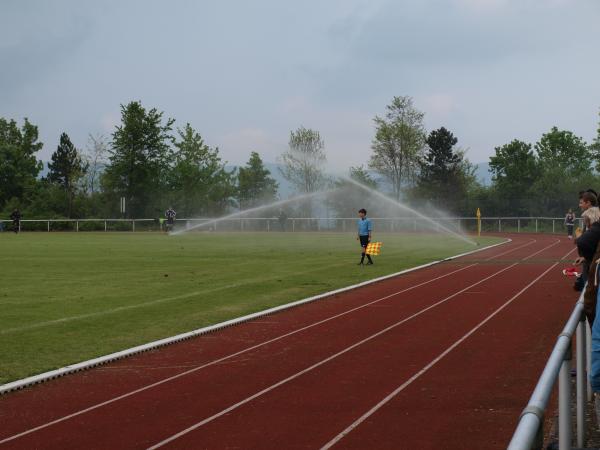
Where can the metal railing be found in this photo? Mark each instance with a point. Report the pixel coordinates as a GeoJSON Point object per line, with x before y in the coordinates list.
{"type": "Point", "coordinates": [529, 432]}
{"type": "Point", "coordinates": [385, 224]}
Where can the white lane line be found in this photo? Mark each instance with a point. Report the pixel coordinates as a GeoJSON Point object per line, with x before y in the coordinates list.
{"type": "Point", "coordinates": [404, 385]}
{"type": "Point", "coordinates": [254, 347]}
{"type": "Point", "coordinates": [332, 357]}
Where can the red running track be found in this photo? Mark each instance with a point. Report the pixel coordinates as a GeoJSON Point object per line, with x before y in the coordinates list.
{"type": "Point", "coordinates": [444, 357]}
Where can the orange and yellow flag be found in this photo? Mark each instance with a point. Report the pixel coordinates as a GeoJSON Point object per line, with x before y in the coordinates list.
{"type": "Point", "coordinates": [374, 248]}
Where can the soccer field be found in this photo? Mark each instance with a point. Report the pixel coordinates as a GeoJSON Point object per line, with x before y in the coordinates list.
{"type": "Point", "coordinates": [66, 297]}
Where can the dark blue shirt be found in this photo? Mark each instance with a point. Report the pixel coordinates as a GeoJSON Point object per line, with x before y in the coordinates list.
{"type": "Point", "coordinates": [364, 227]}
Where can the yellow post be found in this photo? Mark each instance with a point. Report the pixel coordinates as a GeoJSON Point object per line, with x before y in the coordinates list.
{"type": "Point", "coordinates": [478, 222]}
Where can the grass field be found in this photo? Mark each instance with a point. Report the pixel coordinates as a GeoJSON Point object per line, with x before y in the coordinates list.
{"type": "Point", "coordinates": [66, 297]}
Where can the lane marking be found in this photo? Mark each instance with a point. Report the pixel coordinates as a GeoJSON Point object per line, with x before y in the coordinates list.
{"type": "Point", "coordinates": [404, 385]}
{"type": "Point", "coordinates": [332, 357]}
{"type": "Point", "coordinates": [248, 349]}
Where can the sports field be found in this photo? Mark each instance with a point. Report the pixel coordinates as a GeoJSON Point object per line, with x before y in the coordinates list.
{"type": "Point", "coordinates": [66, 297]}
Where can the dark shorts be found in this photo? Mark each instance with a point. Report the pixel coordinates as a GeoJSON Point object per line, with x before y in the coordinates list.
{"type": "Point", "coordinates": [364, 241]}
{"type": "Point", "coordinates": [170, 221]}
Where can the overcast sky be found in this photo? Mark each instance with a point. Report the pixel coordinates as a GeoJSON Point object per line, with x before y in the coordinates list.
{"type": "Point", "coordinates": [244, 73]}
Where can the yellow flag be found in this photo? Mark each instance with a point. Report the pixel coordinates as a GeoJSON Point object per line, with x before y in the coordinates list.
{"type": "Point", "coordinates": [374, 248]}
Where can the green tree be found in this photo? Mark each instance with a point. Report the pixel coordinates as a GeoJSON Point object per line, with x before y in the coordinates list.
{"type": "Point", "coordinates": [255, 184]}
{"type": "Point", "coordinates": [66, 169]}
{"type": "Point", "coordinates": [398, 144]}
{"type": "Point", "coordinates": [563, 150]}
{"type": "Point", "coordinates": [198, 178]}
{"type": "Point", "coordinates": [139, 160]}
{"type": "Point", "coordinates": [595, 147]}
{"type": "Point", "coordinates": [444, 175]}
{"type": "Point", "coordinates": [565, 162]}
{"type": "Point", "coordinates": [19, 166]}
{"type": "Point", "coordinates": [514, 170]}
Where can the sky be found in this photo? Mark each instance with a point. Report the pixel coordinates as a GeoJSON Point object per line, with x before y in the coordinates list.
{"type": "Point", "coordinates": [246, 73]}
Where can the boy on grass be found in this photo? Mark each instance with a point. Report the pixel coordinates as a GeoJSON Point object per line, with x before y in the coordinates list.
{"type": "Point", "coordinates": [365, 227]}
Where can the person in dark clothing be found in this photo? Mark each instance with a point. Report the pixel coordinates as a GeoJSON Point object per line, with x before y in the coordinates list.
{"type": "Point", "coordinates": [16, 220]}
{"type": "Point", "coordinates": [170, 214]}
{"type": "Point", "coordinates": [365, 227]}
{"type": "Point", "coordinates": [570, 223]}
{"type": "Point", "coordinates": [587, 247]}
{"type": "Point", "coordinates": [587, 200]}
{"type": "Point", "coordinates": [282, 219]}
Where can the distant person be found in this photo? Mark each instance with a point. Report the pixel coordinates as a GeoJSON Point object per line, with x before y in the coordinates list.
{"type": "Point", "coordinates": [170, 214]}
{"type": "Point", "coordinates": [365, 228]}
{"type": "Point", "coordinates": [16, 220]}
{"type": "Point", "coordinates": [282, 218]}
{"type": "Point", "coordinates": [570, 223]}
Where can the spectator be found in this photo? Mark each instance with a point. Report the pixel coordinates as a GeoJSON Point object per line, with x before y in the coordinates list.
{"type": "Point", "coordinates": [587, 200]}
{"type": "Point", "coordinates": [16, 220]}
{"type": "Point", "coordinates": [282, 219]}
{"type": "Point", "coordinates": [570, 223]}
{"type": "Point", "coordinates": [587, 247]}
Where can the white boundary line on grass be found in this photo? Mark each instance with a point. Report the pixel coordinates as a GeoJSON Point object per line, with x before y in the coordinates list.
{"type": "Point", "coordinates": [84, 365]}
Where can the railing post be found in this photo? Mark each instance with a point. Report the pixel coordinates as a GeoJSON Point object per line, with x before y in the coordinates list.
{"type": "Point", "coordinates": [415, 225]}
{"type": "Point", "coordinates": [77, 225]}
{"type": "Point", "coordinates": [133, 225]}
{"type": "Point", "coordinates": [48, 226]}
{"type": "Point", "coordinates": [293, 225]}
{"type": "Point", "coordinates": [581, 381]}
{"type": "Point", "coordinates": [499, 225]}
{"type": "Point", "coordinates": [105, 228]}
{"type": "Point", "coordinates": [536, 225]}
{"type": "Point", "coordinates": [553, 226]}
{"type": "Point", "coordinates": [564, 403]}
{"type": "Point", "coordinates": [518, 225]}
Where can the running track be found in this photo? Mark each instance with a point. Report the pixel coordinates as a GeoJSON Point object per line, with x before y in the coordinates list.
{"type": "Point", "coordinates": [443, 357]}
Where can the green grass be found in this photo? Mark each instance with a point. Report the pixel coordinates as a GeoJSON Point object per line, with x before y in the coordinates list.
{"type": "Point", "coordinates": [67, 297]}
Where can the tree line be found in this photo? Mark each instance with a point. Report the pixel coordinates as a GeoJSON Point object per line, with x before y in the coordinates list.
{"type": "Point", "coordinates": [152, 163]}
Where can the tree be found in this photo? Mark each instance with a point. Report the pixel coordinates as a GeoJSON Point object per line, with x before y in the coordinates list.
{"type": "Point", "coordinates": [563, 150]}
{"type": "Point", "coordinates": [255, 184]}
{"type": "Point", "coordinates": [66, 169]}
{"type": "Point", "coordinates": [515, 169]}
{"type": "Point", "coordinates": [565, 162]}
{"type": "Point", "coordinates": [95, 156]}
{"type": "Point", "coordinates": [362, 175]}
{"type": "Point", "coordinates": [347, 198]}
{"type": "Point", "coordinates": [19, 167]}
{"type": "Point", "coordinates": [302, 163]}
{"type": "Point", "coordinates": [444, 175]}
{"type": "Point", "coordinates": [595, 148]}
{"type": "Point", "coordinates": [140, 154]}
{"type": "Point", "coordinates": [398, 144]}
{"type": "Point", "coordinates": [198, 179]}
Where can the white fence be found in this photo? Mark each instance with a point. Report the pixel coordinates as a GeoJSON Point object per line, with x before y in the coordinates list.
{"type": "Point", "coordinates": [292, 224]}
